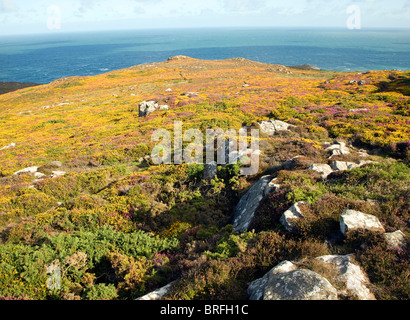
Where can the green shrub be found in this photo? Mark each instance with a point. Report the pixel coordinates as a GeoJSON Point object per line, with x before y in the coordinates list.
{"type": "Point", "coordinates": [101, 291]}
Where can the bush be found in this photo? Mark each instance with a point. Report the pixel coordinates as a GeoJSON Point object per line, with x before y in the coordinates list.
{"type": "Point", "coordinates": [101, 291]}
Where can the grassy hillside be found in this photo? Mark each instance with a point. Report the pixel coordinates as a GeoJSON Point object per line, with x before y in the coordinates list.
{"type": "Point", "coordinates": [119, 226]}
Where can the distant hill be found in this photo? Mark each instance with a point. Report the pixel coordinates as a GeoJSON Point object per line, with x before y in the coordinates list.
{"type": "Point", "coordinates": [6, 87]}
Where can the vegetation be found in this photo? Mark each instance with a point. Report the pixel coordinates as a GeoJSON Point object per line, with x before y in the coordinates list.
{"type": "Point", "coordinates": [118, 226]}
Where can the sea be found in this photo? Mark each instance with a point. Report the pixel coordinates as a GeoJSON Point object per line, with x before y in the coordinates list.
{"type": "Point", "coordinates": [42, 58]}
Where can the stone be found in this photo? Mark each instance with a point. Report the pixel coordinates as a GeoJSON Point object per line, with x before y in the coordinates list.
{"type": "Point", "coordinates": [355, 220]}
{"type": "Point", "coordinates": [56, 174]}
{"type": "Point", "coordinates": [270, 127]}
{"type": "Point", "coordinates": [356, 282]}
{"type": "Point", "coordinates": [55, 164]}
{"type": "Point", "coordinates": [168, 90]}
{"type": "Point", "coordinates": [39, 175]}
{"type": "Point", "coordinates": [343, 166]}
{"type": "Point", "coordinates": [11, 145]}
{"type": "Point", "coordinates": [290, 215]}
{"type": "Point", "coordinates": [352, 81]}
{"type": "Point", "coordinates": [147, 107]}
{"type": "Point", "coordinates": [338, 149]}
{"type": "Point", "coordinates": [210, 170]}
{"type": "Point", "coordinates": [323, 169]}
{"type": "Point", "coordinates": [256, 287]}
{"type": "Point", "coordinates": [157, 294]}
{"type": "Point", "coordinates": [361, 83]}
{"type": "Point", "coordinates": [26, 170]}
{"type": "Point", "coordinates": [395, 240]}
{"type": "Point", "coordinates": [301, 284]}
{"type": "Point", "coordinates": [245, 209]}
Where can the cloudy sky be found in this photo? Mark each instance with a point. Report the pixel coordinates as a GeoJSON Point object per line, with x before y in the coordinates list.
{"type": "Point", "coordinates": [42, 16]}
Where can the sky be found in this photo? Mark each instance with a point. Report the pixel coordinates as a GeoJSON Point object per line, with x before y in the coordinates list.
{"type": "Point", "coordinates": [53, 16]}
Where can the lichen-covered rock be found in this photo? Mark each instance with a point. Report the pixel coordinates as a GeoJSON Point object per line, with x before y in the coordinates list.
{"type": "Point", "coordinates": [323, 169]}
{"type": "Point", "coordinates": [245, 210]}
{"type": "Point", "coordinates": [356, 220]}
{"type": "Point", "coordinates": [289, 216]}
{"type": "Point", "coordinates": [270, 127]}
{"type": "Point", "coordinates": [356, 282]}
{"type": "Point", "coordinates": [343, 166]}
{"type": "Point", "coordinates": [395, 240]}
{"type": "Point", "coordinates": [338, 149]}
{"type": "Point", "coordinates": [301, 284]}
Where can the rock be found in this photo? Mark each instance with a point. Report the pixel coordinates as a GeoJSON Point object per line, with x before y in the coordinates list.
{"type": "Point", "coordinates": [11, 145]}
{"type": "Point", "coordinates": [256, 288]}
{"type": "Point", "coordinates": [356, 283]}
{"type": "Point", "coordinates": [270, 127]}
{"type": "Point", "coordinates": [361, 83]}
{"type": "Point", "coordinates": [210, 170]}
{"type": "Point", "coordinates": [323, 169]}
{"type": "Point", "coordinates": [168, 90]}
{"type": "Point", "coordinates": [292, 213]}
{"type": "Point", "coordinates": [395, 240]}
{"type": "Point", "coordinates": [157, 294]}
{"type": "Point", "coordinates": [39, 175]}
{"type": "Point", "coordinates": [55, 164]}
{"type": "Point", "coordinates": [299, 284]}
{"type": "Point", "coordinates": [343, 166]}
{"type": "Point", "coordinates": [352, 81]}
{"type": "Point", "coordinates": [56, 174]}
{"type": "Point", "coordinates": [178, 57]}
{"type": "Point", "coordinates": [245, 85]}
{"type": "Point", "coordinates": [245, 209]}
{"type": "Point", "coordinates": [358, 110]}
{"type": "Point", "coordinates": [147, 107]}
{"type": "Point", "coordinates": [356, 220]}
{"type": "Point", "coordinates": [26, 170]}
{"type": "Point", "coordinates": [338, 149]}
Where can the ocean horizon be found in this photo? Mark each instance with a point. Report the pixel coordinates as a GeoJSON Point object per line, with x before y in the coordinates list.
{"type": "Point", "coordinates": [43, 58]}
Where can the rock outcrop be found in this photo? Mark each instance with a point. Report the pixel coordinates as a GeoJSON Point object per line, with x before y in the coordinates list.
{"type": "Point", "coordinates": [147, 107]}
{"type": "Point", "coordinates": [245, 209]}
{"type": "Point", "coordinates": [323, 169]}
{"type": "Point", "coordinates": [289, 216]}
{"type": "Point", "coordinates": [395, 240]}
{"type": "Point", "coordinates": [11, 145]}
{"type": "Point", "coordinates": [338, 149]}
{"type": "Point", "coordinates": [355, 220]}
{"type": "Point", "coordinates": [286, 282]}
{"type": "Point", "coordinates": [270, 127]}
{"type": "Point", "coordinates": [355, 281]}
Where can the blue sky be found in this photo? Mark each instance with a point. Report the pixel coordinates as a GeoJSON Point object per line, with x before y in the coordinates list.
{"type": "Point", "coordinates": [39, 16]}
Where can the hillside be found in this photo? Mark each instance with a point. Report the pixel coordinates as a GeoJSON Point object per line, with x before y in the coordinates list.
{"type": "Point", "coordinates": [79, 190]}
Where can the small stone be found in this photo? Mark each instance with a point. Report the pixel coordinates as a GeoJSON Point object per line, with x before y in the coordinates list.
{"type": "Point", "coordinates": [395, 240]}
{"type": "Point", "coordinates": [293, 213]}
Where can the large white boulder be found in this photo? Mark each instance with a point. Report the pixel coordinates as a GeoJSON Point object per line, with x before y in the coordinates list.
{"type": "Point", "coordinates": [323, 169]}
{"type": "Point", "coordinates": [356, 220]}
{"type": "Point", "coordinates": [355, 281]}
{"type": "Point", "coordinates": [270, 127]}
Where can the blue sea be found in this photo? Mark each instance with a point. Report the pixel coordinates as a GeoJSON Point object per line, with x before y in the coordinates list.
{"type": "Point", "coordinates": [44, 58]}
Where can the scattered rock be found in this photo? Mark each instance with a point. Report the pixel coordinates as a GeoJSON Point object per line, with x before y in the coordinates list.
{"type": "Point", "coordinates": [351, 275]}
{"type": "Point", "coordinates": [361, 83]}
{"type": "Point", "coordinates": [39, 175]}
{"type": "Point", "coordinates": [301, 284]}
{"type": "Point", "coordinates": [210, 170]}
{"type": "Point", "coordinates": [290, 215]}
{"type": "Point", "coordinates": [157, 294]}
{"type": "Point", "coordinates": [26, 170]}
{"type": "Point", "coordinates": [147, 107]}
{"type": "Point", "coordinates": [57, 164]}
{"type": "Point", "coordinates": [270, 127]}
{"type": "Point", "coordinates": [323, 169]}
{"type": "Point", "coordinates": [11, 145]}
{"type": "Point", "coordinates": [338, 149]}
{"type": "Point", "coordinates": [356, 220]}
{"type": "Point", "coordinates": [56, 174]}
{"type": "Point", "coordinates": [395, 240]}
{"type": "Point", "coordinates": [245, 209]}
{"type": "Point", "coordinates": [352, 81]}
{"type": "Point", "coordinates": [342, 165]}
